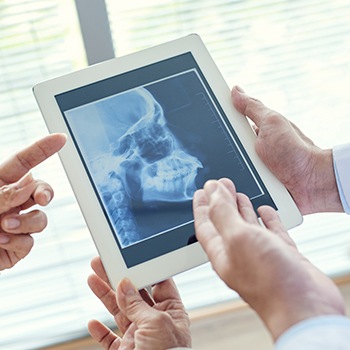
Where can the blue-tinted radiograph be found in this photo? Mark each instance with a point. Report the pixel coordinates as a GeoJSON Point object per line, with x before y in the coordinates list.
{"type": "Point", "coordinates": [133, 157]}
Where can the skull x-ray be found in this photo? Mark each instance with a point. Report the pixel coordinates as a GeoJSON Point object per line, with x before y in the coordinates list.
{"type": "Point", "coordinates": [148, 159]}
{"type": "Point", "coordinates": [149, 140]}
{"type": "Point", "coordinates": [134, 158]}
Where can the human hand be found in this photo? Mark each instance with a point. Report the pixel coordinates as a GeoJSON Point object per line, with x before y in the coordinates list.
{"type": "Point", "coordinates": [19, 192]}
{"type": "Point", "coordinates": [261, 264]}
{"type": "Point", "coordinates": [305, 169]}
{"type": "Point", "coordinates": [157, 321]}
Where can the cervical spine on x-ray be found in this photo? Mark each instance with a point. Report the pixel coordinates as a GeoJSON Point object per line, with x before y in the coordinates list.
{"type": "Point", "coordinates": [147, 163]}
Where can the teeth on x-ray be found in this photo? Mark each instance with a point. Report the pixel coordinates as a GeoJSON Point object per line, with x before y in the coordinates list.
{"type": "Point", "coordinates": [171, 179]}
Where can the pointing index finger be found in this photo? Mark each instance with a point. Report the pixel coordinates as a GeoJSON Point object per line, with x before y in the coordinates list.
{"type": "Point", "coordinates": [15, 167]}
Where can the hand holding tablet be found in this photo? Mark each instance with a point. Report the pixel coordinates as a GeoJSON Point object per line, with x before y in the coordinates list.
{"type": "Point", "coordinates": [145, 132]}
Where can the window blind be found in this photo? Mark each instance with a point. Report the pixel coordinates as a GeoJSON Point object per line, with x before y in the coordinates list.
{"type": "Point", "coordinates": [294, 56]}
{"type": "Point", "coordinates": [43, 299]}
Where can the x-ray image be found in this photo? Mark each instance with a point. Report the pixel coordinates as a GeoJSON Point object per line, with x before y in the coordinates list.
{"type": "Point", "coordinates": [138, 164]}
{"type": "Point", "coordinates": [147, 149]}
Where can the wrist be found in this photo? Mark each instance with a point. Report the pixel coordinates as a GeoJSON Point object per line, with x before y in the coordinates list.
{"type": "Point", "coordinates": [280, 323]}
{"type": "Point", "coordinates": [322, 186]}
{"type": "Point", "coordinates": [305, 301]}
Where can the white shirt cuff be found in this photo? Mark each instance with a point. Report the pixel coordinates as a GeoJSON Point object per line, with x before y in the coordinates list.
{"type": "Point", "coordinates": [319, 333]}
{"type": "Point", "coordinates": [341, 161]}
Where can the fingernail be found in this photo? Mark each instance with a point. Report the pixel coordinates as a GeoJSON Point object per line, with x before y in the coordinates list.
{"type": "Point", "coordinates": [239, 89]}
{"type": "Point", "coordinates": [4, 239]}
{"type": "Point", "coordinates": [127, 287]}
{"type": "Point", "coordinates": [10, 223]}
{"type": "Point", "coordinates": [48, 195]}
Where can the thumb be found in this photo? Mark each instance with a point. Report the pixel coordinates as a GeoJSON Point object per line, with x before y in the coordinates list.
{"type": "Point", "coordinates": [239, 99]}
{"type": "Point", "coordinates": [131, 303]}
{"type": "Point", "coordinates": [248, 106]}
{"type": "Point", "coordinates": [14, 195]}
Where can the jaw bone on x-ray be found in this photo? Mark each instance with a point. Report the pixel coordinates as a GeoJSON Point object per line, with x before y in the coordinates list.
{"type": "Point", "coordinates": [145, 162]}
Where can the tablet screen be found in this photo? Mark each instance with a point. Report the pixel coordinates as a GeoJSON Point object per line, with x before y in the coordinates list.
{"type": "Point", "coordinates": [148, 139]}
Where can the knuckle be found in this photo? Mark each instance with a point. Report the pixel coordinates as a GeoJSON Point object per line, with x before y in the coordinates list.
{"type": "Point", "coordinates": [7, 193]}
{"type": "Point", "coordinates": [255, 100]}
{"type": "Point", "coordinates": [30, 243]}
{"type": "Point", "coordinates": [216, 206]}
{"type": "Point", "coordinates": [132, 306]}
{"type": "Point", "coordinates": [272, 117]}
{"type": "Point", "coordinates": [25, 246]}
{"type": "Point", "coordinates": [241, 236]}
{"type": "Point", "coordinates": [253, 103]}
{"type": "Point", "coordinates": [18, 250]}
{"type": "Point", "coordinates": [25, 162]}
{"type": "Point", "coordinates": [161, 318]}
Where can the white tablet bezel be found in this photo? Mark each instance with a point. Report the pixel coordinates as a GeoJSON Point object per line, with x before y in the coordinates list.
{"type": "Point", "coordinates": [182, 259]}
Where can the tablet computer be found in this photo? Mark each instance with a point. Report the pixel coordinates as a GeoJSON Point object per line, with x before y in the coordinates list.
{"type": "Point", "coordinates": [144, 132]}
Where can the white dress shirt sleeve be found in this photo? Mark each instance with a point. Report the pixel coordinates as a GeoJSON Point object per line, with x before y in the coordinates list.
{"type": "Point", "coordinates": [319, 333]}
{"type": "Point", "coordinates": [341, 161]}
